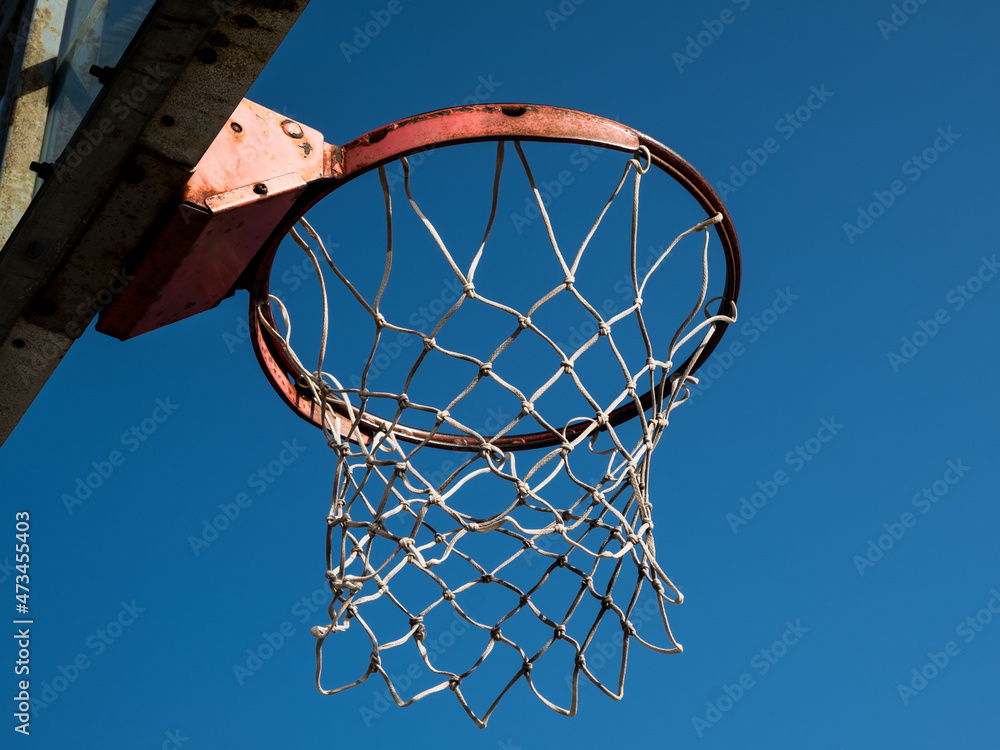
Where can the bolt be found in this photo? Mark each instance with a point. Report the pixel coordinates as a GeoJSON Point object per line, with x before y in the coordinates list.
{"type": "Point", "coordinates": [43, 169]}
{"type": "Point", "coordinates": [292, 129]}
{"type": "Point", "coordinates": [260, 188]}
{"type": "Point", "coordinates": [102, 74]}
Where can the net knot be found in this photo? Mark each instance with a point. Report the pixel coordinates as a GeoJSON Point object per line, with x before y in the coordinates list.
{"type": "Point", "coordinates": [568, 281]}
{"type": "Point", "coordinates": [657, 586]}
{"type": "Point", "coordinates": [598, 497]}
{"type": "Point", "coordinates": [441, 416]}
{"type": "Point", "coordinates": [527, 408]}
{"type": "Point", "coordinates": [485, 369]}
{"type": "Point", "coordinates": [630, 388]}
{"type": "Point", "coordinates": [403, 400]}
{"type": "Point", "coordinates": [603, 329]}
{"type": "Point", "coordinates": [629, 628]}
{"type": "Point", "coordinates": [487, 578]}
{"type": "Point", "coordinates": [454, 683]}
{"type": "Point", "coordinates": [364, 394]}
{"type": "Point", "coordinates": [637, 303]}
{"type": "Point", "coordinates": [447, 595]}
{"type": "Point", "coordinates": [606, 602]}
{"type": "Point", "coordinates": [401, 468]}
{"type": "Point", "coordinates": [338, 584]}
{"type": "Point", "coordinates": [470, 289]}
{"type": "Point", "coordinates": [526, 667]}
{"type": "Point", "coordinates": [434, 498]}
{"type": "Point", "coordinates": [601, 419]}
{"type": "Point", "coordinates": [522, 488]}
{"type": "Point", "coordinates": [429, 343]}
{"type": "Point", "coordinates": [567, 366]}
{"type": "Point", "coordinates": [473, 527]}
{"type": "Point", "coordinates": [495, 633]}
{"type": "Point", "coordinates": [523, 321]}
{"type": "Point", "coordinates": [380, 321]}
{"type": "Point", "coordinates": [417, 626]}
{"type": "Point", "coordinates": [559, 633]}
{"type": "Point", "coordinates": [375, 663]}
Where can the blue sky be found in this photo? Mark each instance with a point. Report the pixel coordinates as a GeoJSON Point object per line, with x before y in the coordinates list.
{"type": "Point", "coordinates": [857, 605]}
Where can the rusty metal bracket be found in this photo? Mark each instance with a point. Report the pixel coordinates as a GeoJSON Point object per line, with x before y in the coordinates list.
{"type": "Point", "coordinates": [244, 186]}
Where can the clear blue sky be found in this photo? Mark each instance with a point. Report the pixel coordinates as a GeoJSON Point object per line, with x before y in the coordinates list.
{"type": "Point", "coordinates": [863, 402]}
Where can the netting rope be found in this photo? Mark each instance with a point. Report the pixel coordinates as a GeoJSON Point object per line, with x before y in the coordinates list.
{"type": "Point", "coordinates": [391, 523]}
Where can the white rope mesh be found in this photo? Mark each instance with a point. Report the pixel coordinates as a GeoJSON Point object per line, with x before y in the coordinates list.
{"type": "Point", "coordinates": [561, 546]}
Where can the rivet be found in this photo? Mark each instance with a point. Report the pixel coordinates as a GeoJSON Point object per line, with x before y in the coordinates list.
{"type": "Point", "coordinates": [260, 188]}
{"type": "Point", "coordinates": [292, 129]}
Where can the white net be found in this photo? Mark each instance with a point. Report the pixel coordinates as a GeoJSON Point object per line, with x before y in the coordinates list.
{"type": "Point", "coordinates": [505, 555]}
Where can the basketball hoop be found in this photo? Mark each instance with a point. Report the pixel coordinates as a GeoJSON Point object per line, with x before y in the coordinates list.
{"type": "Point", "coordinates": [393, 529]}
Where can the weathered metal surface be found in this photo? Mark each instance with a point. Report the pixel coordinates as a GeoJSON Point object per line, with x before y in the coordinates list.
{"type": "Point", "coordinates": [26, 105]}
{"type": "Point", "coordinates": [186, 71]}
{"type": "Point", "coordinates": [243, 187]}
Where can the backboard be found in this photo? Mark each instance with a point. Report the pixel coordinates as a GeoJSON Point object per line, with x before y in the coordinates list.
{"type": "Point", "coordinates": [108, 106]}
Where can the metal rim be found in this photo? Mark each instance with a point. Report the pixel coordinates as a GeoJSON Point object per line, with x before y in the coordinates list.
{"type": "Point", "coordinates": [446, 127]}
